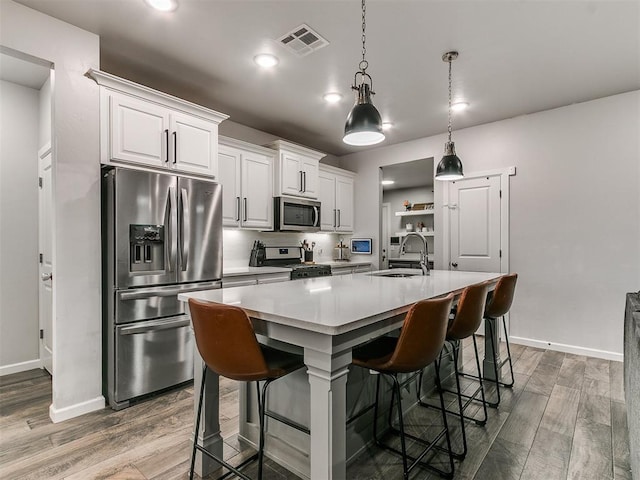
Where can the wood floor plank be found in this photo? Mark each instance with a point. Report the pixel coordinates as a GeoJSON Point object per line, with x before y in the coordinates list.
{"type": "Point", "coordinates": [543, 378]}
{"type": "Point", "coordinates": [620, 441]}
{"type": "Point", "coordinates": [572, 371]}
{"type": "Point", "coordinates": [528, 361]}
{"type": "Point", "coordinates": [616, 381]}
{"type": "Point", "coordinates": [597, 368]}
{"type": "Point", "coordinates": [549, 456]}
{"type": "Point", "coordinates": [591, 452]}
{"type": "Point", "coordinates": [504, 461]}
{"type": "Point", "coordinates": [594, 408]}
{"type": "Point", "coordinates": [561, 411]}
{"type": "Point", "coordinates": [522, 424]}
{"type": "Point", "coordinates": [552, 357]}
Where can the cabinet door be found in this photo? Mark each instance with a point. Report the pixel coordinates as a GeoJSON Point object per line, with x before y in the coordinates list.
{"type": "Point", "coordinates": [139, 131]}
{"type": "Point", "coordinates": [257, 191]}
{"type": "Point", "coordinates": [344, 204]}
{"type": "Point", "coordinates": [327, 196]}
{"type": "Point", "coordinates": [194, 145]}
{"type": "Point", "coordinates": [310, 170]}
{"type": "Point", "coordinates": [229, 178]}
{"type": "Point", "coordinates": [290, 174]}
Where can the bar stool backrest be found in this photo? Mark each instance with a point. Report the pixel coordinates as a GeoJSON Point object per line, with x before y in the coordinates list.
{"type": "Point", "coordinates": [227, 342]}
{"type": "Point", "coordinates": [469, 313]}
{"type": "Point", "coordinates": [422, 335]}
{"type": "Point", "coordinates": [502, 297]}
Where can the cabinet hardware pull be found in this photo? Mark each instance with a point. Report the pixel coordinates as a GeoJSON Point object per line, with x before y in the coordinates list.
{"type": "Point", "coordinates": [339, 219]}
{"type": "Point", "coordinates": [245, 209]}
{"type": "Point", "coordinates": [301, 186]}
{"type": "Point", "coordinates": [237, 209]}
{"type": "Point", "coordinates": [304, 181]}
{"type": "Point", "coordinates": [166, 133]}
{"type": "Point", "coordinates": [175, 148]}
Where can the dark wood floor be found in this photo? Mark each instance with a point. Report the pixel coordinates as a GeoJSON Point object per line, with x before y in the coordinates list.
{"type": "Point", "coordinates": [564, 419]}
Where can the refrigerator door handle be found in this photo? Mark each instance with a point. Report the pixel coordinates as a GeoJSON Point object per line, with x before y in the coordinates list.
{"type": "Point", "coordinates": [186, 230]}
{"type": "Point", "coordinates": [140, 294]}
{"type": "Point", "coordinates": [164, 324]}
{"type": "Point", "coordinates": [168, 244]}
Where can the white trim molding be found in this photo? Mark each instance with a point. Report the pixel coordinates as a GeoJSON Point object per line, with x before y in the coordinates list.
{"type": "Point", "coordinates": [62, 414]}
{"type": "Point", "coordinates": [20, 367]}
{"type": "Point", "coordinates": [561, 347]}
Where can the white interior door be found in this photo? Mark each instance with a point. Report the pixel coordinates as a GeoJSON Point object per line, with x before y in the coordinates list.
{"type": "Point", "coordinates": [475, 234]}
{"type": "Point", "coordinates": [45, 203]}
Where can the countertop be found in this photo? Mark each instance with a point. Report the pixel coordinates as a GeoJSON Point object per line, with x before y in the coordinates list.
{"type": "Point", "coordinates": [339, 304]}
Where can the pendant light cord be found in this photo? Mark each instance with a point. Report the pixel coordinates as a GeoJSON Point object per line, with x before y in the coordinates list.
{"type": "Point", "coordinates": [363, 64]}
{"type": "Point", "coordinates": [449, 128]}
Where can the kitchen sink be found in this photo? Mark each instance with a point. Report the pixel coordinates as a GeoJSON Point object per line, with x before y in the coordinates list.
{"type": "Point", "coordinates": [398, 273]}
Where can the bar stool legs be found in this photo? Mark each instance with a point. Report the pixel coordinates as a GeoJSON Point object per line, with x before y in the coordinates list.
{"type": "Point", "coordinates": [497, 367]}
{"type": "Point", "coordinates": [429, 445]}
{"type": "Point", "coordinates": [459, 395]}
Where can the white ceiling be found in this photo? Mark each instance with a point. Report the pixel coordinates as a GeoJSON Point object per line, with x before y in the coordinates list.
{"type": "Point", "coordinates": [516, 57]}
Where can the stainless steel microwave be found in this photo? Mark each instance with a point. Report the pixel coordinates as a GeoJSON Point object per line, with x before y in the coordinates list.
{"type": "Point", "coordinates": [296, 215]}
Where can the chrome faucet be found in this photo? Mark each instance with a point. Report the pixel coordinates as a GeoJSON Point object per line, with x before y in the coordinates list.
{"type": "Point", "coordinates": [424, 255]}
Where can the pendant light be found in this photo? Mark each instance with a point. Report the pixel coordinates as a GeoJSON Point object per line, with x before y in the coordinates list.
{"type": "Point", "coordinates": [364, 124]}
{"type": "Point", "coordinates": [450, 167]}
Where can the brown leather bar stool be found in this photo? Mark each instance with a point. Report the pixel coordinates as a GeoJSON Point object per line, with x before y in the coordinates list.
{"type": "Point", "coordinates": [498, 304]}
{"type": "Point", "coordinates": [228, 346]}
{"type": "Point", "coordinates": [419, 344]}
{"type": "Point", "coordinates": [468, 316]}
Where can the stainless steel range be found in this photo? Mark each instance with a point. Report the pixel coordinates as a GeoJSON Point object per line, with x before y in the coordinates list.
{"type": "Point", "coordinates": [287, 257]}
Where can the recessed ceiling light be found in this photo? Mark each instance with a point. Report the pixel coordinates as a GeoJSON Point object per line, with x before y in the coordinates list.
{"type": "Point", "coordinates": [387, 125]}
{"type": "Point", "coordinates": [332, 97]}
{"type": "Point", "coordinates": [266, 60]}
{"type": "Point", "coordinates": [387, 182]}
{"type": "Point", "coordinates": [459, 106]}
{"type": "Point", "coordinates": [163, 5]}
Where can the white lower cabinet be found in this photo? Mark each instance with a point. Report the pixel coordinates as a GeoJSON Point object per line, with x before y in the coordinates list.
{"type": "Point", "coordinates": [147, 128]}
{"type": "Point", "coordinates": [336, 194]}
{"type": "Point", "coordinates": [246, 175]}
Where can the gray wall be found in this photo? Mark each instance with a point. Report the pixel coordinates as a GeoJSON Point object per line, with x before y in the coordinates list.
{"type": "Point", "coordinates": [77, 361]}
{"type": "Point", "coordinates": [574, 214]}
{"type": "Point", "coordinates": [19, 116]}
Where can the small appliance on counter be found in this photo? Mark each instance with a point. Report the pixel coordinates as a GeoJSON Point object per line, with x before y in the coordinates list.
{"type": "Point", "coordinates": [341, 252]}
{"type": "Point", "coordinates": [287, 257]}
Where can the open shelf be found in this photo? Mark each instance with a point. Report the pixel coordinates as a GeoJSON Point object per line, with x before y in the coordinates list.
{"type": "Point", "coordinates": [402, 234]}
{"type": "Point", "coordinates": [412, 213]}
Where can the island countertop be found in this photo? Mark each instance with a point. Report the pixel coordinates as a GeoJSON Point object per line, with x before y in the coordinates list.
{"type": "Point", "coordinates": [339, 304]}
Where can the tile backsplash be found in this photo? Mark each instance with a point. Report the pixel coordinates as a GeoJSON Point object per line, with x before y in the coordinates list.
{"type": "Point", "coordinates": [237, 244]}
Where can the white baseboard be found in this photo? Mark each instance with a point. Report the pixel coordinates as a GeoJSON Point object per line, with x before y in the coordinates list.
{"type": "Point", "coordinates": [560, 347]}
{"type": "Point", "coordinates": [19, 367]}
{"type": "Point", "coordinates": [62, 414]}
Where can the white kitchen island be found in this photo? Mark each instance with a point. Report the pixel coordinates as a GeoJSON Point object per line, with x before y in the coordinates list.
{"type": "Point", "coordinates": [326, 318]}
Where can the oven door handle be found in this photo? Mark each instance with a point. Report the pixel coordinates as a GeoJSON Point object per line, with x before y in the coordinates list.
{"type": "Point", "coordinates": [154, 326]}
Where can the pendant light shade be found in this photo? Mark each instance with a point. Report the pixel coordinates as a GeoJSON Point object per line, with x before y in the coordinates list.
{"type": "Point", "coordinates": [450, 167]}
{"type": "Point", "coordinates": [364, 124]}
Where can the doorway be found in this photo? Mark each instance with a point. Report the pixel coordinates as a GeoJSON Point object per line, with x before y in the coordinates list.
{"type": "Point", "coordinates": [407, 206]}
{"type": "Point", "coordinates": [26, 303]}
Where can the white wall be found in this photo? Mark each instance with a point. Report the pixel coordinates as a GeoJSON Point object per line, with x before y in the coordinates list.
{"type": "Point", "coordinates": [575, 213]}
{"type": "Point", "coordinates": [19, 115]}
{"type": "Point", "coordinates": [77, 361]}
{"type": "Point", "coordinates": [45, 114]}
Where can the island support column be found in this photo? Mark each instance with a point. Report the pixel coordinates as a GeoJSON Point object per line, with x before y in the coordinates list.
{"type": "Point", "coordinates": [328, 380]}
{"type": "Point", "coordinates": [209, 434]}
{"type": "Point", "coordinates": [491, 330]}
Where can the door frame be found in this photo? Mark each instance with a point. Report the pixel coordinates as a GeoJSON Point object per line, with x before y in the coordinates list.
{"type": "Point", "coordinates": [385, 226]}
{"type": "Point", "coordinates": [445, 225]}
{"type": "Point", "coordinates": [46, 360]}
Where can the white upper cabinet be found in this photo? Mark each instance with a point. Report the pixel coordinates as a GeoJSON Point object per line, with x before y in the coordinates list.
{"type": "Point", "coordinates": [246, 176]}
{"type": "Point", "coordinates": [336, 194]}
{"type": "Point", "coordinates": [296, 170]}
{"type": "Point", "coordinates": [143, 127]}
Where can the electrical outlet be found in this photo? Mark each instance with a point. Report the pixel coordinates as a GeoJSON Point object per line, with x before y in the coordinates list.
{"type": "Point", "coordinates": [319, 251]}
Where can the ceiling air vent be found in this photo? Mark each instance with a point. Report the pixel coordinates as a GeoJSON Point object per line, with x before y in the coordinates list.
{"type": "Point", "coordinates": [303, 40]}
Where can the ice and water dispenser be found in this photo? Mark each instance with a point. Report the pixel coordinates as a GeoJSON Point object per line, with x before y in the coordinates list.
{"type": "Point", "coordinates": [147, 248]}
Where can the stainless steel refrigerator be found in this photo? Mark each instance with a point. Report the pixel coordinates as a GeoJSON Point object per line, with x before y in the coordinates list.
{"type": "Point", "coordinates": [162, 235]}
